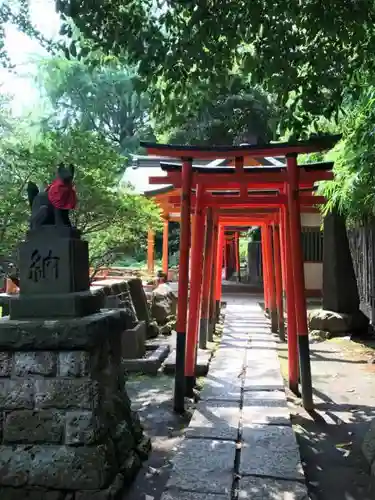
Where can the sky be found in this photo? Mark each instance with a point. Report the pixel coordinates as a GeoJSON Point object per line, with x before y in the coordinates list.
{"type": "Point", "coordinates": [22, 51]}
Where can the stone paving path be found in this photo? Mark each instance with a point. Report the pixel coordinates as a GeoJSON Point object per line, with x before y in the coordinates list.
{"type": "Point", "coordinates": [240, 443]}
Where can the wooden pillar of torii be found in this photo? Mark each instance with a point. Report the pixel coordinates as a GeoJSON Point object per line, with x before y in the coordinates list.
{"type": "Point", "coordinates": [150, 251]}
{"type": "Point", "coordinates": [165, 254]}
{"type": "Point", "coordinates": [280, 218]}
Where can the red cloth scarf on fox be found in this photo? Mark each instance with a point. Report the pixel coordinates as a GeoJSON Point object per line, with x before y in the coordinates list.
{"type": "Point", "coordinates": [62, 196]}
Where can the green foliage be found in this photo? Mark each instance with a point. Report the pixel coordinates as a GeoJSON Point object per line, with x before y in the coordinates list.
{"type": "Point", "coordinates": [104, 99]}
{"type": "Point", "coordinates": [352, 191]}
{"type": "Point", "coordinates": [111, 218]}
{"type": "Point", "coordinates": [244, 243]}
{"type": "Point", "coordinates": [308, 56]}
{"type": "Point", "coordinates": [236, 114]}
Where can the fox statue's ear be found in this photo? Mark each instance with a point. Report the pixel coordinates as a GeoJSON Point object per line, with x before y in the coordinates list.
{"type": "Point", "coordinates": [60, 167]}
{"type": "Point", "coordinates": [71, 169]}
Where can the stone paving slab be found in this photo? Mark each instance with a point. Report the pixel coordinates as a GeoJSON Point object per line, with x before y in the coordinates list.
{"type": "Point", "coordinates": [255, 343]}
{"type": "Point", "coordinates": [270, 450]}
{"type": "Point", "coordinates": [267, 383]}
{"type": "Point", "coordinates": [255, 488]}
{"type": "Point", "coordinates": [243, 390]}
{"type": "Point", "coordinates": [192, 495]}
{"type": "Point", "coordinates": [233, 344]}
{"type": "Point", "coordinates": [215, 420]}
{"type": "Point", "coordinates": [216, 388]}
{"type": "Point", "coordinates": [262, 353]}
{"type": "Point", "coordinates": [260, 359]}
{"type": "Point", "coordinates": [203, 465]}
{"type": "Point", "coordinates": [256, 370]}
{"type": "Point", "coordinates": [265, 407]}
{"type": "Point", "coordinates": [261, 336]}
{"type": "Point", "coordinates": [225, 366]}
{"type": "Point", "coordinates": [230, 354]}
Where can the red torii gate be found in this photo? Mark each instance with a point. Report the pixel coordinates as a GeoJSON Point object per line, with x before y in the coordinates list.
{"type": "Point", "coordinates": [279, 215]}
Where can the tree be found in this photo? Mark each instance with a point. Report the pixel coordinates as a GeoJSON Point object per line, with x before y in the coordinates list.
{"type": "Point", "coordinates": [238, 114]}
{"type": "Point", "coordinates": [104, 99]}
{"type": "Point", "coordinates": [308, 56]}
{"type": "Point", "coordinates": [110, 218]}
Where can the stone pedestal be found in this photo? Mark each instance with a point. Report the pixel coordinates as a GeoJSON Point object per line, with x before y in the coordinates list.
{"type": "Point", "coordinates": [67, 429]}
{"type": "Point", "coordinates": [54, 276]}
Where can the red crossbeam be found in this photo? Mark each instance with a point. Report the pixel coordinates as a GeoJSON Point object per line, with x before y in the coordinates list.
{"type": "Point", "coordinates": [234, 181]}
{"type": "Point", "coordinates": [250, 201]}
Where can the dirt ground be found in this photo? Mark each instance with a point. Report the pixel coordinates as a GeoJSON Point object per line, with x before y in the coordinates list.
{"type": "Point", "coordinates": [343, 373]}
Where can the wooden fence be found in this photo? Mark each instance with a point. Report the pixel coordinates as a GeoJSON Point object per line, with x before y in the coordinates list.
{"type": "Point", "coordinates": [362, 247]}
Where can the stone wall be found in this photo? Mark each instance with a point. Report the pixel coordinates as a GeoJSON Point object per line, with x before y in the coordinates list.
{"type": "Point", "coordinates": [67, 431]}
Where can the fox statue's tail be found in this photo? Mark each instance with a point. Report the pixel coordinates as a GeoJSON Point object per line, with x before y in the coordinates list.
{"type": "Point", "coordinates": [32, 192]}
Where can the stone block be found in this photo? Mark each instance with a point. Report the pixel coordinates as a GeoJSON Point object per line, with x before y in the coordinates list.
{"type": "Point", "coordinates": [35, 363]}
{"type": "Point", "coordinates": [124, 441]}
{"type": "Point", "coordinates": [215, 421]}
{"type": "Point", "coordinates": [220, 389]}
{"type": "Point", "coordinates": [56, 467]}
{"type": "Point", "coordinates": [16, 394]}
{"type": "Point", "coordinates": [78, 467]}
{"type": "Point", "coordinates": [5, 364]}
{"type": "Point", "coordinates": [266, 380]}
{"type": "Point", "coordinates": [149, 364]}
{"type": "Point", "coordinates": [110, 493]}
{"type": "Point", "coordinates": [270, 450]}
{"type": "Point", "coordinates": [73, 364]}
{"type": "Point", "coordinates": [265, 407]}
{"type": "Point", "coordinates": [255, 488]}
{"type": "Point", "coordinates": [191, 495]}
{"type": "Point", "coordinates": [28, 426]}
{"type": "Point", "coordinates": [51, 264]}
{"type": "Point", "coordinates": [164, 303]}
{"type": "Point", "coordinates": [133, 342]}
{"type": "Point", "coordinates": [337, 323]}
{"type": "Point", "coordinates": [68, 305]}
{"type": "Point", "coordinates": [61, 334]}
{"type": "Point", "coordinates": [225, 362]}
{"type": "Point", "coordinates": [215, 475]}
{"type": "Point", "coordinates": [139, 299]}
{"type": "Point", "coordinates": [80, 428]}
{"type": "Point", "coordinates": [27, 494]}
{"type": "Point", "coordinates": [64, 393]}
{"type": "Point", "coordinates": [368, 444]}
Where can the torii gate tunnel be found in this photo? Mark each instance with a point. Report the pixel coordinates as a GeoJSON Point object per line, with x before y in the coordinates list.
{"type": "Point", "coordinates": [213, 200]}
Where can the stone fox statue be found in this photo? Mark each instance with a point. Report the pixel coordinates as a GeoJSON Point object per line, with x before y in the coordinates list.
{"type": "Point", "coordinates": [52, 206]}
